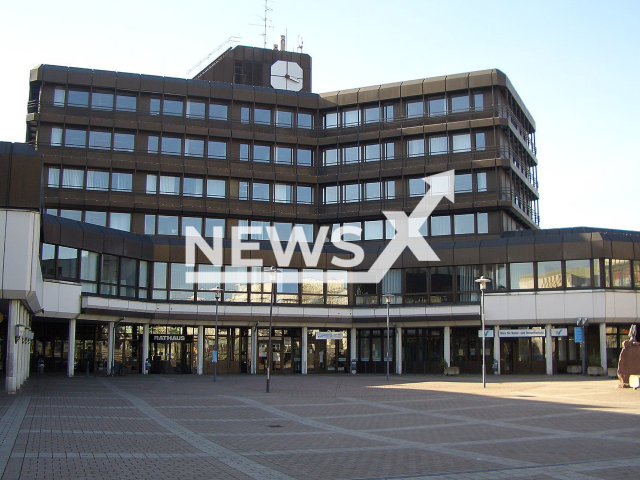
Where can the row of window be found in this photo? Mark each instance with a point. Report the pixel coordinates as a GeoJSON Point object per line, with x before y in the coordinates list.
{"type": "Point", "coordinates": [97, 100]}
{"type": "Point", "coordinates": [356, 192]}
{"type": "Point", "coordinates": [100, 180]}
{"type": "Point", "coordinates": [116, 220]}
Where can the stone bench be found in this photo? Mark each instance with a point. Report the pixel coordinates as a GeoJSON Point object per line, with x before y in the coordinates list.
{"type": "Point", "coordinates": [452, 371]}
{"type": "Point", "coordinates": [574, 369]}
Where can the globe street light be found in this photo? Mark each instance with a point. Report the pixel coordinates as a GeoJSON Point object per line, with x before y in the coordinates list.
{"type": "Point", "coordinates": [273, 271]}
{"type": "Point", "coordinates": [217, 291]}
{"type": "Point", "coordinates": [387, 298]}
{"type": "Point", "coordinates": [483, 286]}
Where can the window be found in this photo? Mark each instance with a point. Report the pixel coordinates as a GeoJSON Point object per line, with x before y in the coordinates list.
{"type": "Point", "coordinates": [67, 266]}
{"type": "Point", "coordinates": [245, 115]}
{"type": "Point", "coordinates": [337, 287]}
{"type": "Point", "coordinates": [438, 145]}
{"type": "Point", "coordinates": [71, 214]}
{"type": "Point", "coordinates": [217, 149]}
{"type": "Point", "coordinates": [97, 180]}
{"type": "Point", "coordinates": [58, 97]}
{"type": "Point", "coordinates": [418, 227]}
{"type": "Point", "coordinates": [417, 187]}
{"type": "Point", "coordinates": [372, 191]}
{"type": "Point", "coordinates": [120, 221]}
{"type": "Point", "coordinates": [312, 286]}
{"type": "Point", "coordinates": [56, 137]}
{"type": "Point", "coordinates": [305, 120]}
{"type": "Point", "coordinates": [284, 155]}
{"type": "Point", "coordinates": [218, 112]}
{"type": "Point", "coordinates": [392, 284]}
{"type": "Point", "coordinates": [480, 141]}
{"type": "Point", "coordinates": [460, 103]}
{"type": "Point", "coordinates": [167, 225]}
{"type": "Point", "coordinates": [89, 263]}
{"type": "Point", "coordinates": [243, 190]}
{"type": "Point", "coordinates": [150, 224]}
{"type": "Point", "coordinates": [331, 194]}
{"type": "Point", "coordinates": [464, 224]}
{"type": "Point", "coordinates": [350, 155]}
{"type": "Point", "coordinates": [463, 183]}
{"type": "Point", "coordinates": [125, 103]}
{"type": "Point", "coordinates": [262, 153]}
{"type": "Point", "coordinates": [75, 138]}
{"type": "Point", "coordinates": [390, 189]}
{"type": "Point", "coordinates": [415, 147]}
{"type": "Point", "coordinates": [283, 193]}
{"type": "Point", "coordinates": [437, 107]}
{"type": "Point", "coordinates": [173, 107]}
{"type": "Point", "coordinates": [481, 181]}
{"type": "Point", "coordinates": [304, 195]}
{"type": "Point", "coordinates": [100, 140]}
{"type": "Point", "coordinates": [152, 144]}
{"type": "Point", "coordinates": [78, 99]}
{"type": "Point", "coordinates": [351, 193]}
{"type": "Point", "coordinates": [415, 109]}
{"type": "Point", "coordinates": [304, 157]}
{"type": "Point", "coordinates": [483, 222]}
{"type": "Point", "coordinates": [462, 142]}
{"type": "Point", "coordinates": [171, 146]}
{"type": "Point", "coordinates": [387, 112]}
{"type": "Point", "coordinates": [159, 281]}
{"type": "Point", "coordinates": [154, 106]}
{"type": "Point", "coordinates": [195, 109]}
{"type": "Point", "coordinates": [478, 101]}
{"type": "Point", "coordinates": [214, 227]}
{"type": "Point", "coordinates": [350, 118]}
{"type": "Point", "coordinates": [169, 185]}
{"type": "Point", "coordinates": [283, 229]}
{"type": "Point", "coordinates": [121, 182]}
{"type": "Point", "coordinates": [372, 115]}
{"type": "Point", "coordinates": [192, 187]}
{"type": "Point", "coordinates": [72, 178]}
{"type": "Point", "coordinates": [244, 152]}
{"type": "Point", "coordinates": [260, 192]}
{"type": "Point", "coordinates": [549, 275]}
{"type": "Point", "coordinates": [578, 273]}
{"type": "Point", "coordinates": [441, 279]}
{"type": "Point", "coordinates": [259, 230]}
{"type": "Point", "coordinates": [284, 119]}
{"type": "Point", "coordinates": [262, 116]}
{"type": "Point", "coordinates": [521, 276]}
{"type": "Point", "coordinates": [331, 120]}
{"type": "Point", "coordinates": [123, 142]}
{"type": "Point", "coordinates": [330, 157]}
{"type": "Point", "coordinates": [372, 152]}
{"type": "Point", "coordinates": [194, 147]}
{"type": "Point", "coordinates": [620, 273]}
{"type": "Point", "coordinates": [53, 177]}
{"type": "Point", "coordinates": [152, 184]}
{"type": "Point", "coordinates": [216, 188]}
{"type": "Point", "coordinates": [441, 225]}
{"type": "Point", "coordinates": [191, 222]}
{"type": "Point", "coordinates": [373, 230]}
{"type": "Point", "coordinates": [101, 101]}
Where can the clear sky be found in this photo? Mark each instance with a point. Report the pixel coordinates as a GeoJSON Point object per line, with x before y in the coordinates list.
{"type": "Point", "coordinates": [574, 63]}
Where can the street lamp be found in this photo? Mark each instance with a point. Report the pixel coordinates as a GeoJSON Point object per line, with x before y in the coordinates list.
{"type": "Point", "coordinates": [217, 291]}
{"type": "Point", "coordinates": [483, 286]}
{"type": "Point", "coordinates": [273, 271]}
{"type": "Point", "coordinates": [387, 298]}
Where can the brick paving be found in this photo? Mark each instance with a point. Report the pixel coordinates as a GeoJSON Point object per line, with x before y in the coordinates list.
{"type": "Point", "coordinates": [339, 426]}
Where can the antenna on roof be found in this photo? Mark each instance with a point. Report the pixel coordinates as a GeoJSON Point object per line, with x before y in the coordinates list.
{"type": "Point", "coordinates": [227, 43]}
{"type": "Point", "coordinates": [300, 42]}
{"type": "Point", "coordinates": [265, 21]}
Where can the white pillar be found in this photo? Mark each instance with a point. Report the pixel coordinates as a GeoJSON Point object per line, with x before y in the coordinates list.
{"type": "Point", "coordinates": [110, 345]}
{"type": "Point", "coordinates": [496, 345]}
{"type": "Point", "coordinates": [548, 349]}
{"type": "Point", "coordinates": [603, 346]}
{"type": "Point", "coordinates": [399, 350]}
{"type": "Point", "coordinates": [254, 350]}
{"type": "Point", "coordinates": [11, 376]}
{"type": "Point", "coordinates": [200, 347]}
{"type": "Point", "coordinates": [447, 345]}
{"type": "Point", "coordinates": [304, 350]}
{"type": "Point", "coordinates": [72, 347]}
{"type": "Point", "coordinates": [145, 348]}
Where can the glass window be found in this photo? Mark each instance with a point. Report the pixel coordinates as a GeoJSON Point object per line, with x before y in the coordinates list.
{"type": "Point", "coordinates": [71, 214]}
{"type": "Point", "coordinates": [372, 152]}
{"type": "Point", "coordinates": [235, 284]}
{"type": "Point", "coordinates": [123, 142]}
{"type": "Point", "coordinates": [331, 194]}
{"type": "Point", "coordinates": [75, 138]}
{"type": "Point", "coordinates": [283, 193]}
{"type": "Point", "coordinates": [437, 107]}
{"type": "Point", "coordinates": [173, 107]}
{"type": "Point", "coordinates": [350, 118]}
{"type": "Point", "coordinates": [463, 183]}
{"type": "Point", "coordinates": [97, 180]}
{"type": "Point", "coordinates": [620, 273]}
{"type": "Point", "coordinates": [351, 193]}
{"type": "Point", "coordinates": [331, 120]}
{"type": "Point", "coordinates": [171, 146]}
{"type": "Point", "coordinates": [284, 155]}
{"type": "Point", "coordinates": [350, 155]}
{"type": "Point", "coordinates": [438, 145]}
{"type": "Point", "coordinates": [58, 97]}
{"type": "Point", "coordinates": [121, 182]}
{"type": "Point", "coordinates": [415, 147]}
{"type": "Point", "coordinates": [194, 147]}
{"type": "Point", "coordinates": [387, 112]}
{"type": "Point", "coordinates": [284, 119]}
{"type": "Point", "coordinates": [72, 178]}
{"type": "Point", "coordinates": [304, 157]}
{"type": "Point", "coordinates": [307, 230]}
{"type": "Point", "coordinates": [150, 224]}
{"type": "Point", "coordinates": [262, 116]}
{"type": "Point", "coordinates": [53, 178]}
{"type": "Point", "coordinates": [441, 225]}
{"type": "Point", "coordinates": [463, 224]}
{"type": "Point", "coordinates": [372, 115]}
{"type": "Point", "coordinates": [159, 279]}
{"type": "Point", "coordinates": [216, 188]}
{"type": "Point", "coordinates": [372, 191]}
{"type": "Point", "coordinates": [154, 106]}
{"type": "Point", "coordinates": [305, 120]}
{"type": "Point", "coordinates": [461, 143]}
{"type": "Point", "coordinates": [259, 230]}
{"type": "Point", "coordinates": [152, 184]}
{"type": "Point", "coordinates": [78, 98]}
{"type": "Point", "coordinates": [245, 115]}
{"type": "Point", "coordinates": [100, 140]}
{"type": "Point", "coordinates": [549, 275]}
{"type": "Point", "coordinates": [244, 152]}
{"type": "Point", "coordinates": [120, 221]}
{"type": "Point", "coordinates": [388, 150]}
{"type": "Point", "coordinates": [417, 187]}
{"type": "Point", "coordinates": [214, 227]}
{"type": "Point", "coordinates": [243, 190]}
{"type": "Point", "coordinates": [218, 112]}
{"type": "Point", "coordinates": [483, 222]}
{"type": "Point", "coordinates": [195, 109]}
{"type": "Point", "coordinates": [89, 269]}
{"type": "Point", "coordinates": [373, 230]}
{"type": "Point", "coordinates": [167, 225]}
{"type": "Point", "coordinates": [152, 144]}
{"type": "Point", "coordinates": [390, 189]}
{"type": "Point", "coordinates": [460, 103]}
{"type": "Point", "coordinates": [56, 137]}
{"type": "Point", "coordinates": [304, 195]}
{"type": "Point", "coordinates": [417, 227]}
{"type": "Point", "coordinates": [415, 109]}
{"type": "Point", "coordinates": [128, 277]}
{"type": "Point", "coordinates": [101, 101]}
{"type": "Point", "coordinates": [481, 181]}
{"type": "Point", "coordinates": [262, 153]}
{"type": "Point", "coordinates": [597, 276]}
{"type": "Point", "coordinates": [169, 185]}
{"type": "Point", "coordinates": [284, 230]}
{"type": "Point", "coordinates": [192, 187]}
{"type": "Point", "coordinates": [126, 103]}
{"type": "Point", "coordinates": [191, 222]}
{"type": "Point", "coordinates": [521, 276]}
{"type": "Point", "coordinates": [217, 149]}
{"type": "Point", "coordinates": [480, 141]}
{"type": "Point", "coordinates": [330, 156]}
{"type": "Point", "coordinates": [260, 192]}
{"type": "Point", "coordinates": [67, 264]}
{"type": "Point", "coordinates": [478, 101]}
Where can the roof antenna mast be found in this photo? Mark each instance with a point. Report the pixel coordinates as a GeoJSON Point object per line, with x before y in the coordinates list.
{"type": "Point", "coordinates": [265, 21]}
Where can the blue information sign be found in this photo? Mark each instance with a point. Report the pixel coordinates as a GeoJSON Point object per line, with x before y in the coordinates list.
{"type": "Point", "coordinates": [215, 356]}
{"type": "Point", "coordinates": [578, 334]}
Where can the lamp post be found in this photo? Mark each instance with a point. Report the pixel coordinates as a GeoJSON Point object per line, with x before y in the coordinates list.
{"type": "Point", "coordinates": [217, 292]}
{"type": "Point", "coordinates": [483, 286]}
{"type": "Point", "coordinates": [273, 271]}
{"type": "Point", "coordinates": [387, 298]}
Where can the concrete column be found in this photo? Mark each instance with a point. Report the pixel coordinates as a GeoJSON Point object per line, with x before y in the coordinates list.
{"type": "Point", "coordinates": [548, 349]}
{"type": "Point", "coordinates": [399, 350]}
{"type": "Point", "coordinates": [145, 348]}
{"type": "Point", "coordinates": [304, 350]}
{"type": "Point", "coordinates": [11, 375]}
{"type": "Point", "coordinates": [603, 346]}
{"type": "Point", "coordinates": [200, 347]}
{"type": "Point", "coordinates": [447, 345]}
{"type": "Point", "coordinates": [496, 345]}
{"type": "Point", "coordinates": [110, 346]}
{"type": "Point", "coordinates": [254, 350]}
{"type": "Point", "coordinates": [72, 347]}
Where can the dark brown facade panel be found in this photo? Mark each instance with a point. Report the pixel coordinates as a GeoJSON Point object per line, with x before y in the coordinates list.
{"type": "Point", "coordinates": [104, 79]}
{"type": "Point", "coordinates": [622, 250]}
{"type": "Point", "coordinates": [480, 79]}
{"type": "Point", "coordinates": [80, 76]}
{"type": "Point", "coordinates": [459, 82]}
{"type": "Point", "coordinates": [435, 85]}
{"type": "Point", "coordinates": [348, 97]}
{"type": "Point", "coordinates": [369, 94]}
{"type": "Point", "coordinates": [411, 88]}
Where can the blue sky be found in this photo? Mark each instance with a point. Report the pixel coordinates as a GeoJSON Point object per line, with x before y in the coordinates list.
{"type": "Point", "coordinates": [574, 63]}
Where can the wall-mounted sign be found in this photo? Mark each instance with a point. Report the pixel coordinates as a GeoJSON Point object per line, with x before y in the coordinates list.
{"type": "Point", "coordinates": [328, 335]}
{"type": "Point", "coordinates": [577, 333]}
{"type": "Point", "coordinates": [171, 338]}
{"type": "Point", "coordinates": [559, 332]}
{"type": "Point", "coordinates": [517, 333]}
{"type": "Point", "coordinates": [487, 333]}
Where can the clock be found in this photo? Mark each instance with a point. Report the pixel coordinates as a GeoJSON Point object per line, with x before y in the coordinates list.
{"type": "Point", "coordinates": [286, 76]}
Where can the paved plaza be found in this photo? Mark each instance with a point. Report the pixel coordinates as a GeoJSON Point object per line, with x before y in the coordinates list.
{"type": "Point", "coordinates": [340, 426]}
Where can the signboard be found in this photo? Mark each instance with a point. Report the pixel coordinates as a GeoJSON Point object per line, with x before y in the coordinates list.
{"type": "Point", "coordinates": [214, 356]}
{"type": "Point", "coordinates": [559, 332]}
{"type": "Point", "coordinates": [528, 332]}
{"type": "Point", "coordinates": [577, 332]}
{"type": "Point", "coordinates": [171, 338]}
{"type": "Point", "coordinates": [328, 335]}
{"type": "Point", "coordinates": [487, 333]}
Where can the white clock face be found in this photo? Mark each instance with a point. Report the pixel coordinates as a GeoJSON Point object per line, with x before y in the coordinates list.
{"type": "Point", "coordinates": [286, 76]}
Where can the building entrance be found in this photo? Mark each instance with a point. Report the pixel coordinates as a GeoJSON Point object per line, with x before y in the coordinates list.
{"type": "Point", "coordinates": [170, 353]}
